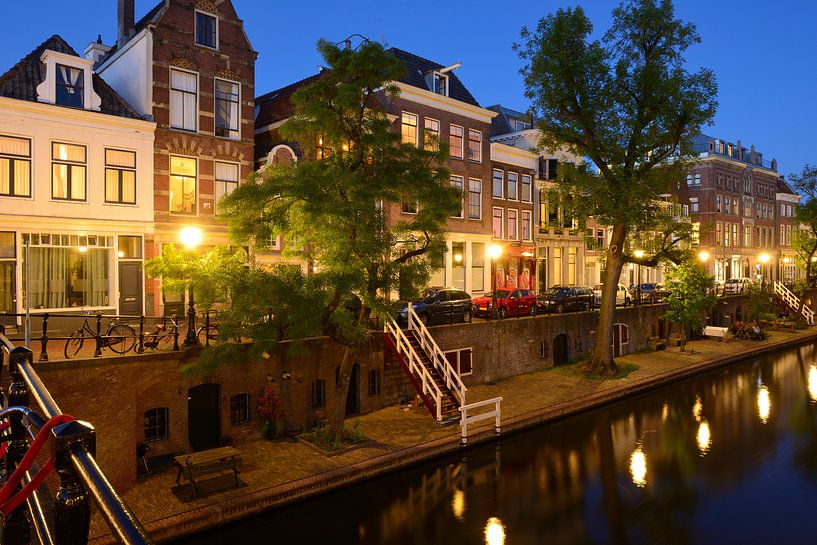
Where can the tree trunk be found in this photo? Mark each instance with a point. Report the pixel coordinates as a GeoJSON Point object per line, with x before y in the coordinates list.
{"type": "Point", "coordinates": [601, 362]}
{"type": "Point", "coordinates": [338, 415]}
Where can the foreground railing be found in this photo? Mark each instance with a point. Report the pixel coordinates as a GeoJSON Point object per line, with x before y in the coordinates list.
{"type": "Point", "coordinates": [793, 301]}
{"type": "Point", "coordinates": [65, 517]}
{"type": "Point", "coordinates": [466, 419]}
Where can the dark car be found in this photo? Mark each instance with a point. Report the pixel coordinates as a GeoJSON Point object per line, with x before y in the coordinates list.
{"type": "Point", "coordinates": [508, 302]}
{"type": "Point", "coordinates": [650, 292]}
{"type": "Point", "coordinates": [561, 299]}
{"type": "Point", "coordinates": [440, 305]}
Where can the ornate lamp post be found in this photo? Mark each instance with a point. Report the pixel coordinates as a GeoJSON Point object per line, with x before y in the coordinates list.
{"type": "Point", "coordinates": [494, 251]}
{"type": "Point", "coordinates": [191, 237]}
{"type": "Point", "coordinates": [638, 255]}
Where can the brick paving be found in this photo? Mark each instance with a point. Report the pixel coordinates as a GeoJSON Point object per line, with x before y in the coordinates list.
{"type": "Point", "coordinates": [276, 468]}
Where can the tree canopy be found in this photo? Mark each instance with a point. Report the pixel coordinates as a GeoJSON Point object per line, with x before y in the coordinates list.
{"type": "Point", "coordinates": [805, 240]}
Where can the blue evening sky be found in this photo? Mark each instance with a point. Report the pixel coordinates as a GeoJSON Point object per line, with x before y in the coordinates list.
{"type": "Point", "coordinates": [762, 52]}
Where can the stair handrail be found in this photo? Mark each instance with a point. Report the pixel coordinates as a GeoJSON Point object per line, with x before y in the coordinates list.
{"type": "Point", "coordinates": [427, 342]}
{"type": "Point", "coordinates": [416, 365]}
{"type": "Point", "coordinates": [793, 301]}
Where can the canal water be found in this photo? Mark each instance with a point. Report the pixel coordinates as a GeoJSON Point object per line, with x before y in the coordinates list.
{"type": "Point", "coordinates": [726, 457]}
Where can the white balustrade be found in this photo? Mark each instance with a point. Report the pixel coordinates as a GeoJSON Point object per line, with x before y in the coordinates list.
{"type": "Point", "coordinates": [466, 419]}
{"type": "Point", "coordinates": [416, 366]}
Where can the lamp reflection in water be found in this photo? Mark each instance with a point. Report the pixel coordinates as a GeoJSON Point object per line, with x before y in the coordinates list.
{"type": "Point", "coordinates": [458, 504]}
{"type": "Point", "coordinates": [638, 467]}
{"type": "Point", "coordinates": [697, 409]}
{"type": "Point", "coordinates": [812, 382]}
{"type": "Point", "coordinates": [704, 437]}
{"type": "Point", "coordinates": [494, 532]}
{"type": "Point", "coordinates": [764, 404]}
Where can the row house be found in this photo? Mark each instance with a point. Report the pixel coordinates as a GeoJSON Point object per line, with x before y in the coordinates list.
{"type": "Point", "coordinates": [189, 66]}
{"type": "Point", "coordinates": [76, 188]}
{"type": "Point", "coordinates": [433, 106]}
{"type": "Point", "coordinates": [744, 209]}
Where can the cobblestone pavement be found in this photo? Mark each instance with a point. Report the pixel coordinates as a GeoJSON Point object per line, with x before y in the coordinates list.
{"type": "Point", "coordinates": [268, 464]}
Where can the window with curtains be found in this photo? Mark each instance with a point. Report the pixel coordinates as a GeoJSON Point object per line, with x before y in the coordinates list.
{"type": "Point", "coordinates": [474, 146]}
{"type": "Point", "coordinates": [227, 115]}
{"type": "Point", "coordinates": [183, 100]}
{"type": "Point", "coordinates": [206, 30]}
{"type": "Point", "coordinates": [455, 141]}
{"type": "Point", "coordinates": [498, 184]}
{"type": "Point", "coordinates": [15, 166]}
{"type": "Point", "coordinates": [70, 86]}
{"type": "Point", "coordinates": [513, 229]}
{"type": "Point", "coordinates": [526, 188]}
{"type": "Point", "coordinates": [120, 176]}
{"type": "Point", "coordinates": [8, 268]}
{"type": "Point", "coordinates": [498, 222]}
{"type": "Point", "coordinates": [513, 186]}
{"type": "Point", "coordinates": [68, 271]}
{"type": "Point", "coordinates": [68, 171]}
{"type": "Point", "coordinates": [408, 128]}
{"type": "Point", "coordinates": [182, 185]}
{"type": "Point", "coordinates": [474, 199]}
{"type": "Point", "coordinates": [226, 179]}
{"type": "Point", "coordinates": [431, 134]}
{"type": "Point", "coordinates": [458, 183]}
{"type": "Point", "coordinates": [526, 233]}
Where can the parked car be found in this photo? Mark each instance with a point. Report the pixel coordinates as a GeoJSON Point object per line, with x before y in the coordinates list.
{"type": "Point", "coordinates": [622, 295]}
{"type": "Point", "coordinates": [508, 303]}
{"type": "Point", "coordinates": [650, 292]}
{"type": "Point", "coordinates": [561, 299]}
{"type": "Point", "coordinates": [440, 305]}
{"type": "Point", "coordinates": [735, 286]}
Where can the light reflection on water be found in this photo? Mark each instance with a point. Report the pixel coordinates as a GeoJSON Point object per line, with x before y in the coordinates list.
{"type": "Point", "coordinates": [644, 470]}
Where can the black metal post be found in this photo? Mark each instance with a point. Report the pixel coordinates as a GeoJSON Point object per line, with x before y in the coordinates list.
{"type": "Point", "coordinates": [493, 289]}
{"type": "Point", "coordinates": [15, 528]}
{"type": "Point", "coordinates": [175, 322]}
{"type": "Point", "coordinates": [72, 502]}
{"type": "Point", "coordinates": [207, 329]}
{"type": "Point", "coordinates": [44, 339]}
{"type": "Point", "coordinates": [142, 334]}
{"type": "Point", "coordinates": [98, 351]}
{"type": "Point", "coordinates": [191, 339]}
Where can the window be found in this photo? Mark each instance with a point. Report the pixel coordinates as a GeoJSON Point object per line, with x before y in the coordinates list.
{"type": "Point", "coordinates": [526, 232]}
{"type": "Point", "coordinates": [513, 216]}
{"type": "Point", "coordinates": [409, 207]}
{"type": "Point", "coordinates": [409, 129]}
{"type": "Point", "coordinates": [460, 360]}
{"type": "Point", "coordinates": [718, 235]}
{"type": "Point", "coordinates": [457, 181]}
{"type": "Point", "coordinates": [498, 222]}
{"type": "Point", "coordinates": [600, 239]}
{"type": "Point", "coordinates": [183, 100]}
{"type": "Point", "coordinates": [318, 393]}
{"type": "Point", "coordinates": [697, 179]}
{"type": "Point", "coordinates": [206, 30]}
{"type": "Point", "coordinates": [182, 185]}
{"type": "Point", "coordinates": [513, 186]}
{"type": "Point", "coordinates": [717, 203]}
{"type": "Point", "coordinates": [474, 146]}
{"type": "Point", "coordinates": [439, 84]}
{"type": "Point", "coordinates": [455, 143]}
{"type": "Point", "coordinates": [226, 179]}
{"type": "Point", "coordinates": [374, 382]}
{"type": "Point", "coordinates": [477, 266]}
{"type": "Point", "coordinates": [156, 424]}
{"type": "Point", "coordinates": [474, 199]}
{"type": "Point", "coordinates": [694, 205]}
{"type": "Point", "coordinates": [571, 266]}
{"type": "Point", "coordinates": [431, 134]}
{"type": "Point", "coordinates": [68, 171]}
{"type": "Point", "coordinates": [735, 207]}
{"type": "Point", "coordinates": [15, 167]}
{"type": "Point", "coordinates": [227, 118]}
{"type": "Point", "coordinates": [747, 236]}
{"type": "Point", "coordinates": [689, 180]}
{"type": "Point", "coordinates": [526, 188]}
{"type": "Point", "coordinates": [130, 247]}
{"type": "Point", "coordinates": [499, 184]}
{"type": "Point", "coordinates": [735, 240]}
{"type": "Point", "coordinates": [120, 176]}
{"type": "Point", "coordinates": [70, 86]}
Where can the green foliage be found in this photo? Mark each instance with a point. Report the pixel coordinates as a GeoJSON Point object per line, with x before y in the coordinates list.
{"type": "Point", "coordinates": [804, 241]}
{"type": "Point", "coordinates": [691, 295]}
{"type": "Point", "coordinates": [759, 304]}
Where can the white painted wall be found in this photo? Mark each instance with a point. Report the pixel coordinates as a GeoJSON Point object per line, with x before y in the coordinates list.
{"type": "Point", "coordinates": [129, 71]}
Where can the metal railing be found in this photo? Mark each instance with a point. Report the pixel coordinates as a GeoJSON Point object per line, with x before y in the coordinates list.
{"type": "Point", "coordinates": [429, 345]}
{"type": "Point", "coordinates": [72, 446]}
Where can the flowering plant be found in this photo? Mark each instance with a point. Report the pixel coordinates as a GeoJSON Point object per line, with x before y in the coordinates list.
{"type": "Point", "coordinates": [270, 407]}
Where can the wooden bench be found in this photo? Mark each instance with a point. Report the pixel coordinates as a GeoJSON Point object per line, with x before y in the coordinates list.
{"type": "Point", "coordinates": [194, 467]}
{"type": "Point", "coordinates": [715, 331]}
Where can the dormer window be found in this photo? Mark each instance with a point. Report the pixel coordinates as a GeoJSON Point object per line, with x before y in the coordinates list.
{"type": "Point", "coordinates": [69, 90]}
{"type": "Point", "coordinates": [440, 84]}
{"type": "Point", "coordinates": [206, 30]}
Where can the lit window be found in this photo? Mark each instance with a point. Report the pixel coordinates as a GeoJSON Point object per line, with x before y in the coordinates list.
{"type": "Point", "coordinates": [526, 233]}
{"type": "Point", "coordinates": [409, 129]}
{"type": "Point", "coordinates": [15, 167]}
{"type": "Point", "coordinates": [513, 186]}
{"type": "Point", "coordinates": [120, 176]}
{"type": "Point", "coordinates": [455, 141]}
{"type": "Point", "coordinates": [156, 424]}
{"type": "Point", "coordinates": [499, 184]}
{"type": "Point", "coordinates": [183, 185]}
{"type": "Point", "coordinates": [240, 409]}
{"type": "Point", "coordinates": [206, 28]}
{"type": "Point", "coordinates": [226, 179]}
{"type": "Point", "coordinates": [70, 86]}
{"type": "Point", "coordinates": [513, 215]}
{"type": "Point", "coordinates": [68, 171]}
{"type": "Point", "coordinates": [526, 188]}
{"type": "Point", "coordinates": [457, 181]}
{"type": "Point", "coordinates": [431, 134]}
{"type": "Point", "coordinates": [474, 199]}
{"type": "Point", "coordinates": [183, 100]}
{"type": "Point", "coordinates": [498, 222]}
{"type": "Point", "coordinates": [697, 180]}
{"type": "Point", "coordinates": [474, 145]}
{"type": "Point", "coordinates": [227, 118]}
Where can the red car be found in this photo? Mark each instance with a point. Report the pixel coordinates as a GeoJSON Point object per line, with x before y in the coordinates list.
{"type": "Point", "coordinates": [508, 302]}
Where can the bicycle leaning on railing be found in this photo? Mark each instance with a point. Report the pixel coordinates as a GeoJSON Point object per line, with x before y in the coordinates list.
{"type": "Point", "coordinates": [163, 337]}
{"type": "Point", "coordinates": [118, 336]}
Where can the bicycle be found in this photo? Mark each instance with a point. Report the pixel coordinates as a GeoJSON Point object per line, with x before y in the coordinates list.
{"type": "Point", "coordinates": [160, 339]}
{"type": "Point", "coordinates": [119, 337]}
{"type": "Point", "coordinates": [207, 332]}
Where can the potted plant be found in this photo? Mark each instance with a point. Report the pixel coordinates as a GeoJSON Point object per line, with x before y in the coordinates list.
{"type": "Point", "coordinates": [271, 409]}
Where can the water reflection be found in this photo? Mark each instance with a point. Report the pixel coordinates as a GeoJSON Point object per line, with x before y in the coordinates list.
{"type": "Point", "coordinates": [586, 479]}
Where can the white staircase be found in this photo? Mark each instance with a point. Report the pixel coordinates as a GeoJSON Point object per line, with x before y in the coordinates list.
{"type": "Point", "coordinates": [793, 302]}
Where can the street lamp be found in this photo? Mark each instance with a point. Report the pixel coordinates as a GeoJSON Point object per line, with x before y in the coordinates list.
{"type": "Point", "coordinates": [494, 251]}
{"type": "Point", "coordinates": [638, 255]}
{"type": "Point", "coordinates": [703, 255]}
{"type": "Point", "coordinates": [191, 237]}
{"type": "Point", "coordinates": [763, 258]}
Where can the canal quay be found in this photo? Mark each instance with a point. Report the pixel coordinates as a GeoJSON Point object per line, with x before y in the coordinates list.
{"type": "Point", "coordinates": [282, 472]}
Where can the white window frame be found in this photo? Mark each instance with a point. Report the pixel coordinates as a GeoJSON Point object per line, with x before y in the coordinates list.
{"type": "Point", "coordinates": [515, 234]}
{"type": "Point", "coordinates": [508, 183]}
{"type": "Point", "coordinates": [530, 225]}
{"type": "Point", "coordinates": [29, 159]}
{"type": "Point", "coordinates": [216, 181]}
{"type": "Point", "coordinates": [238, 109]}
{"type": "Point", "coordinates": [197, 177]}
{"type": "Point", "coordinates": [53, 161]}
{"type": "Point", "coordinates": [196, 29]}
{"type": "Point", "coordinates": [478, 159]}
{"type": "Point", "coordinates": [501, 222]}
{"type": "Point", "coordinates": [198, 99]}
{"type": "Point", "coordinates": [403, 114]}
{"type": "Point", "coordinates": [481, 190]}
{"type": "Point", "coordinates": [436, 145]}
{"type": "Point", "coordinates": [501, 187]}
{"type": "Point", "coordinates": [463, 141]}
{"type": "Point", "coordinates": [458, 352]}
{"type": "Point", "coordinates": [529, 184]}
{"type": "Point", "coordinates": [461, 180]}
{"type": "Point", "coordinates": [119, 168]}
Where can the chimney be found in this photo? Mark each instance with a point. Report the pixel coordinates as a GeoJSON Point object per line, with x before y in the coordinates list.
{"type": "Point", "coordinates": [96, 51]}
{"type": "Point", "coordinates": [124, 21]}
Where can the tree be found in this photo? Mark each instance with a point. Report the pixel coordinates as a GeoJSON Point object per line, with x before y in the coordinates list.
{"type": "Point", "coordinates": [339, 213]}
{"type": "Point", "coordinates": [691, 296]}
{"type": "Point", "coordinates": [627, 103]}
{"type": "Point", "coordinates": [805, 240]}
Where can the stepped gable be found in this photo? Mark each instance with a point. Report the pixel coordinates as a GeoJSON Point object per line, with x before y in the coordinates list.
{"type": "Point", "coordinates": [22, 79]}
